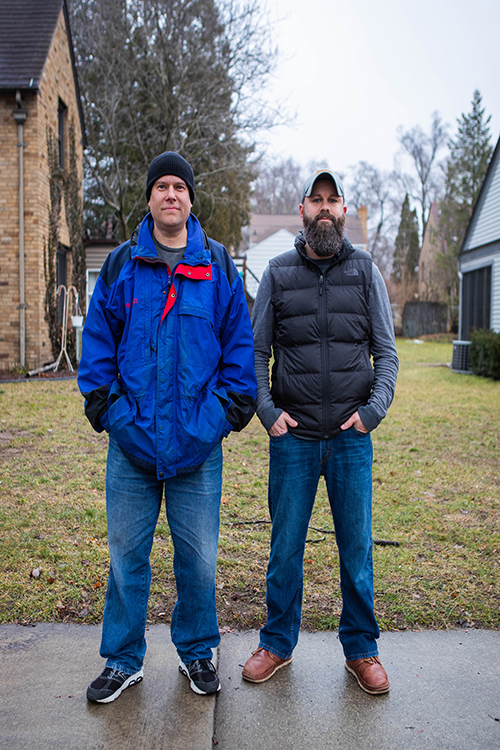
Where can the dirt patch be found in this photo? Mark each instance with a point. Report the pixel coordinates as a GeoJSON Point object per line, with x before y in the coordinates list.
{"type": "Point", "coordinates": [9, 376]}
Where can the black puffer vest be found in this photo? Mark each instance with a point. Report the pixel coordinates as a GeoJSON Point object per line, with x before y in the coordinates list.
{"type": "Point", "coordinates": [322, 371]}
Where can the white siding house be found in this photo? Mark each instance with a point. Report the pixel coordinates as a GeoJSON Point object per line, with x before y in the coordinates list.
{"type": "Point", "coordinates": [259, 255]}
{"type": "Point", "coordinates": [479, 258]}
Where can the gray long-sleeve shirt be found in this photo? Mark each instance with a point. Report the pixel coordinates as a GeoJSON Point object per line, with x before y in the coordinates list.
{"type": "Point", "coordinates": [382, 350]}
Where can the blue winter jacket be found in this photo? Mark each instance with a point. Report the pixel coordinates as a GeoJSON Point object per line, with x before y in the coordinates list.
{"type": "Point", "coordinates": [167, 364]}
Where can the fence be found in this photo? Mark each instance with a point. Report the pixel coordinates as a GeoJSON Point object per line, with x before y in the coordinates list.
{"type": "Point", "coordinates": [423, 318]}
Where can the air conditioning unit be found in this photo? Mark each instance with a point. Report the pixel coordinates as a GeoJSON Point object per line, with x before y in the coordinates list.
{"type": "Point", "coordinates": [460, 361]}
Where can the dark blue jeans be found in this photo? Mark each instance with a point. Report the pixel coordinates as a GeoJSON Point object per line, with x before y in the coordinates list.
{"type": "Point", "coordinates": [133, 502]}
{"type": "Point", "coordinates": [294, 470]}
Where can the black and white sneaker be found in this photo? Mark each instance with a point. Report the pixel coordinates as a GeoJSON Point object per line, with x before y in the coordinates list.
{"type": "Point", "coordinates": [110, 685]}
{"type": "Point", "coordinates": [201, 675]}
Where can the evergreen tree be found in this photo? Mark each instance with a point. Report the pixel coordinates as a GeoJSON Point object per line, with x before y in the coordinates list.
{"type": "Point", "coordinates": [406, 252]}
{"type": "Point", "coordinates": [470, 154]}
{"type": "Point", "coordinates": [465, 169]}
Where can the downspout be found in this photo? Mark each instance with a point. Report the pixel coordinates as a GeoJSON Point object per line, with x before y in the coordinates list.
{"type": "Point", "coordinates": [460, 298]}
{"type": "Point", "coordinates": [20, 116]}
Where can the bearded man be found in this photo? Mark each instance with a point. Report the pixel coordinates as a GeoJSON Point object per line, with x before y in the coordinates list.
{"type": "Point", "coordinates": [322, 311]}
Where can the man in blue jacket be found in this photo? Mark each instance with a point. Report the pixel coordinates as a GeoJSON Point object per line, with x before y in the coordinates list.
{"type": "Point", "coordinates": [167, 370]}
{"type": "Point", "coordinates": [322, 310]}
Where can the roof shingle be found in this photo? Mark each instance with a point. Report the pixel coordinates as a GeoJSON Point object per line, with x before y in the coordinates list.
{"type": "Point", "coordinates": [26, 31]}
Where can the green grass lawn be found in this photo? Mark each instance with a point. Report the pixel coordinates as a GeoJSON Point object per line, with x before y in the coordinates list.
{"type": "Point", "coordinates": [436, 493]}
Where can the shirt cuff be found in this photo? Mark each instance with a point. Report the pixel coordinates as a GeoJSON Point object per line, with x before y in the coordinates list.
{"type": "Point", "coordinates": [369, 417]}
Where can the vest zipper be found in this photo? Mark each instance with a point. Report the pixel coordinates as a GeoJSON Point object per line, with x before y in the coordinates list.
{"type": "Point", "coordinates": [323, 329]}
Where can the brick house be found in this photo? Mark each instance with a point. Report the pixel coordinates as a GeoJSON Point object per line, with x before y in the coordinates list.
{"type": "Point", "coordinates": [39, 101]}
{"type": "Point", "coordinates": [430, 283]}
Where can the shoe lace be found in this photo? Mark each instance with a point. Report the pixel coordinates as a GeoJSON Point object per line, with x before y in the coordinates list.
{"type": "Point", "coordinates": [111, 672]}
{"type": "Point", "coordinates": [371, 660]}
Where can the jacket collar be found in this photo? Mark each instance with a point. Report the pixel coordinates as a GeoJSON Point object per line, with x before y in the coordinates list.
{"type": "Point", "coordinates": [346, 250]}
{"type": "Point", "coordinates": [197, 249]}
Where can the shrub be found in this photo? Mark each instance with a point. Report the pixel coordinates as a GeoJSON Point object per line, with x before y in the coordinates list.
{"type": "Point", "coordinates": [485, 353]}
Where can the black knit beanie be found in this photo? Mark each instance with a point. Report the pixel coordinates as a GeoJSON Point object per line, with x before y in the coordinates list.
{"type": "Point", "coordinates": [170, 163]}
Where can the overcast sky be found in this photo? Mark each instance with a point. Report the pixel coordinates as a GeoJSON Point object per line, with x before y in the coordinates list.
{"type": "Point", "coordinates": [353, 71]}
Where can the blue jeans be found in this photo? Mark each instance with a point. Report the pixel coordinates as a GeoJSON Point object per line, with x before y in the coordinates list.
{"type": "Point", "coordinates": [133, 502]}
{"type": "Point", "coordinates": [295, 467]}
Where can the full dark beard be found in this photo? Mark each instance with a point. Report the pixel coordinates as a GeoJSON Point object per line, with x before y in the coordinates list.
{"type": "Point", "coordinates": [324, 238]}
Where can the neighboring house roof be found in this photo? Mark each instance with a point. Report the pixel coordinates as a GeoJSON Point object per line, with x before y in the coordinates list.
{"type": "Point", "coordinates": [259, 255]}
{"type": "Point", "coordinates": [27, 29]}
{"type": "Point", "coordinates": [484, 226]}
{"type": "Point", "coordinates": [263, 225]}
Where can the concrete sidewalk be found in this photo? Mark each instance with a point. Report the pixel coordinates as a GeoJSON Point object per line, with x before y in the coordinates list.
{"type": "Point", "coordinates": [445, 694]}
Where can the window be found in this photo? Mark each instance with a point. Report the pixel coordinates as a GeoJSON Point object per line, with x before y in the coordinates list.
{"type": "Point", "coordinates": [92, 276]}
{"type": "Point", "coordinates": [476, 301]}
{"type": "Point", "coordinates": [61, 278]}
{"type": "Point", "coordinates": [61, 133]}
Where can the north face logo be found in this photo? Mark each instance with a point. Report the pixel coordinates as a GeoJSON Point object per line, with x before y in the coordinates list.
{"type": "Point", "coordinates": [351, 272]}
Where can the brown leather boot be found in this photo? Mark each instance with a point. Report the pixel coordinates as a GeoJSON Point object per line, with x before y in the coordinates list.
{"type": "Point", "coordinates": [262, 665]}
{"type": "Point", "coordinates": [370, 674]}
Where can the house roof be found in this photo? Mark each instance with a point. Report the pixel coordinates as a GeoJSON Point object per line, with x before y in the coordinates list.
{"type": "Point", "coordinates": [26, 31]}
{"type": "Point", "coordinates": [263, 225]}
{"type": "Point", "coordinates": [484, 225]}
{"type": "Point", "coordinates": [27, 28]}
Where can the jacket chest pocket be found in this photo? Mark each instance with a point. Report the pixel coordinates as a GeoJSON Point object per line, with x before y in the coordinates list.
{"type": "Point", "coordinates": [144, 305]}
{"type": "Point", "coordinates": [199, 349]}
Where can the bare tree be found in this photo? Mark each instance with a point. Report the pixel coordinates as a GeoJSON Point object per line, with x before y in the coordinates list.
{"type": "Point", "coordinates": [422, 148]}
{"type": "Point", "coordinates": [278, 187]}
{"type": "Point", "coordinates": [379, 191]}
{"type": "Point", "coordinates": [180, 75]}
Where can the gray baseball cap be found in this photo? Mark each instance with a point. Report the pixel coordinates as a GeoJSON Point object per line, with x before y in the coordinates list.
{"type": "Point", "coordinates": [322, 173]}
